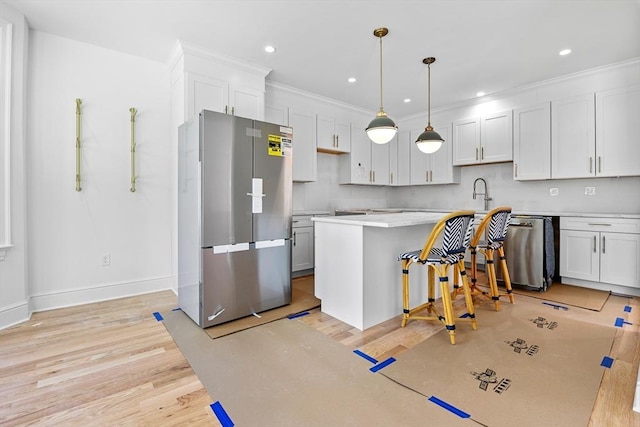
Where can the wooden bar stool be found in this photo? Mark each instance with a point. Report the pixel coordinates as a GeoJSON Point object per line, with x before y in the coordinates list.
{"type": "Point", "coordinates": [493, 228]}
{"type": "Point", "coordinates": [455, 230]}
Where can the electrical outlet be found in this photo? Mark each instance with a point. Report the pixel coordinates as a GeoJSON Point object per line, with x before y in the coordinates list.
{"type": "Point", "coordinates": [106, 260]}
{"type": "Point", "coordinates": [589, 191]}
{"type": "Point", "coordinates": [554, 191]}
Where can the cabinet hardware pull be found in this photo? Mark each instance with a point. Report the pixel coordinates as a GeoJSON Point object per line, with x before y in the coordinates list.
{"type": "Point", "coordinates": [226, 109]}
{"type": "Point", "coordinates": [515, 166]}
{"type": "Point", "coordinates": [333, 140]}
{"type": "Point", "coordinates": [481, 153]}
{"type": "Point", "coordinates": [477, 153]}
{"type": "Point", "coordinates": [430, 176]}
{"type": "Point", "coordinates": [374, 176]}
{"type": "Point", "coordinates": [78, 144]}
{"type": "Point", "coordinates": [133, 112]}
{"type": "Point", "coordinates": [600, 223]}
{"type": "Point", "coordinates": [233, 111]}
{"type": "Point", "coordinates": [603, 245]}
{"type": "Point", "coordinates": [426, 176]}
{"type": "Point", "coordinates": [337, 141]}
{"type": "Point", "coordinates": [595, 242]}
{"type": "Point", "coordinates": [370, 175]}
{"type": "Point", "coordinates": [590, 164]}
{"type": "Point", "coordinates": [294, 238]}
{"type": "Point", "coordinates": [599, 164]}
{"type": "Point", "coordinates": [391, 176]}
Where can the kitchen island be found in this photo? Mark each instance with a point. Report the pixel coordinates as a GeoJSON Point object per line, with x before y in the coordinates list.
{"type": "Point", "coordinates": [357, 272]}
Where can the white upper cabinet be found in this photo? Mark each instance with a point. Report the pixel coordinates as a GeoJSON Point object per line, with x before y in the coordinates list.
{"type": "Point", "coordinates": [617, 129]}
{"type": "Point", "coordinates": [213, 94]}
{"type": "Point", "coordinates": [278, 114]}
{"type": "Point", "coordinates": [367, 163]}
{"type": "Point", "coordinates": [532, 142]}
{"type": "Point", "coordinates": [334, 136]}
{"type": "Point", "coordinates": [436, 168]}
{"type": "Point", "coordinates": [594, 134]}
{"type": "Point", "coordinates": [303, 145]}
{"type": "Point", "coordinates": [486, 139]}
{"type": "Point", "coordinates": [403, 175]}
{"type": "Point", "coordinates": [573, 137]}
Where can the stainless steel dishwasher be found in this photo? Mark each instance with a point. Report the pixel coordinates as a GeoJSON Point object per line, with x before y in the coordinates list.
{"type": "Point", "coordinates": [529, 250]}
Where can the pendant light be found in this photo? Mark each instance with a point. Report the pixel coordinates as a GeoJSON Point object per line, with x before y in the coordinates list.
{"type": "Point", "coordinates": [381, 129]}
{"type": "Point", "coordinates": [429, 141]}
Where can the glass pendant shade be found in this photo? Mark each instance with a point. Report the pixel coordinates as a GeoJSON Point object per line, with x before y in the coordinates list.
{"type": "Point", "coordinates": [381, 129]}
{"type": "Point", "coordinates": [429, 141]}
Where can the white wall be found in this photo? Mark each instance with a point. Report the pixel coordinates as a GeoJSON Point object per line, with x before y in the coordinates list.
{"type": "Point", "coordinates": [70, 231]}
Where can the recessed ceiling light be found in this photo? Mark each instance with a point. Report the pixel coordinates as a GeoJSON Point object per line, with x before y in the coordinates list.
{"type": "Point", "coordinates": [407, 100]}
{"type": "Point", "coordinates": [351, 80]}
{"type": "Point", "coordinates": [269, 49]}
{"type": "Point", "coordinates": [480, 93]}
{"type": "Point", "coordinates": [564, 52]}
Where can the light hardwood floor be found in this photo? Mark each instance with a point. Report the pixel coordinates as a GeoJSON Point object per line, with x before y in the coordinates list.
{"type": "Point", "coordinates": [113, 363]}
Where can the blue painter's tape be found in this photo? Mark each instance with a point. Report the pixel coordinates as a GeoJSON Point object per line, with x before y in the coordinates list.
{"type": "Point", "coordinates": [448, 407]}
{"type": "Point", "coordinates": [222, 415]}
{"type": "Point", "coordinates": [627, 308]}
{"type": "Point", "coordinates": [465, 316]}
{"type": "Point", "coordinates": [557, 307]}
{"type": "Point", "coordinates": [295, 316]}
{"type": "Point", "coordinates": [619, 322]}
{"type": "Point", "coordinates": [176, 309]}
{"type": "Point", "coordinates": [382, 364]}
{"type": "Point", "coordinates": [606, 362]}
{"type": "Point", "coordinates": [158, 316]}
{"type": "Point", "coordinates": [366, 356]}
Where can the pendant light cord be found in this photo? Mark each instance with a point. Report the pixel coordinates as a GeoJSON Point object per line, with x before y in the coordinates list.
{"type": "Point", "coordinates": [381, 73]}
{"type": "Point", "coordinates": [429, 95]}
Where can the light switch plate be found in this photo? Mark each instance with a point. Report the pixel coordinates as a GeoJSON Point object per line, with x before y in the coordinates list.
{"type": "Point", "coordinates": [554, 191]}
{"type": "Point", "coordinates": [589, 191]}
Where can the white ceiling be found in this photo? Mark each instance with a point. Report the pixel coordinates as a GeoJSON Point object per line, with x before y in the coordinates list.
{"type": "Point", "coordinates": [488, 45]}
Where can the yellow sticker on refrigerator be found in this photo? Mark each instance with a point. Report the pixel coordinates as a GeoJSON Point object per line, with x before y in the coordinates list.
{"type": "Point", "coordinates": [279, 146]}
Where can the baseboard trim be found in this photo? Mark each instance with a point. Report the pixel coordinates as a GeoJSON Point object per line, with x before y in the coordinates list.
{"type": "Point", "coordinates": [616, 289]}
{"type": "Point", "coordinates": [13, 315]}
{"type": "Point", "coordinates": [100, 293]}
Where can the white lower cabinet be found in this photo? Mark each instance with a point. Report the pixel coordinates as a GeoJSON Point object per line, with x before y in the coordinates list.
{"type": "Point", "coordinates": [302, 243]}
{"type": "Point", "coordinates": [600, 251]}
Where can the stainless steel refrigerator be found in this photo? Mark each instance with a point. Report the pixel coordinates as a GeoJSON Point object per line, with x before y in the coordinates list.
{"type": "Point", "coordinates": [234, 217]}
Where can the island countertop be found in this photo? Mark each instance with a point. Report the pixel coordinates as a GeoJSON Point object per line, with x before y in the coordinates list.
{"type": "Point", "coordinates": [402, 219]}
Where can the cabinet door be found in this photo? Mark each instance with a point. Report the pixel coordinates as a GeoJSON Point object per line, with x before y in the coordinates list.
{"type": "Point", "coordinates": [302, 249]}
{"type": "Point", "coordinates": [580, 254]}
{"type": "Point", "coordinates": [380, 164]}
{"type": "Point", "coordinates": [326, 139]}
{"type": "Point", "coordinates": [419, 161]}
{"type": "Point", "coordinates": [404, 157]}
{"type": "Point", "coordinates": [303, 145]}
{"type": "Point", "coordinates": [617, 129]}
{"type": "Point", "coordinates": [206, 93]}
{"type": "Point", "coordinates": [496, 137]}
{"type": "Point", "coordinates": [343, 136]}
{"type": "Point", "coordinates": [466, 141]}
{"type": "Point", "coordinates": [246, 103]}
{"type": "Point", "coordinates": [620, 259]}
{"type": "Point", "coordinates": [532, 142]}
{"type": "Point", "coordinates": [393, 161]}
{"type": "Point", "coordinates": [573, 137]}
{"type": "Point", "coordinates": [441, 162]}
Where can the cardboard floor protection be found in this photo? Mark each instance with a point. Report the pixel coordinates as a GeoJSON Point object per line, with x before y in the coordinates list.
{"type": "Point", "coordinates": [526, 365]}
{"type": "Point", "coordinates": [591, 299]}
{"type": "Point", "coordinates": [286, 373]}
{"type": "Point", "coordinates": [302, 299]}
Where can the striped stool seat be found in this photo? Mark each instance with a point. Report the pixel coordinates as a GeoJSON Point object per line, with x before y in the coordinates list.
{"type": "Point", "coordinates": [493, 228]}
{"type": "Point", "coordinates": [455, 230]}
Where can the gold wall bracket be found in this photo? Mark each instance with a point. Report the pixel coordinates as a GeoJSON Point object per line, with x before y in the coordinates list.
{"type": "Point", "coordinates": [133, 112]}
{"type": "Point", "coordinates": [78, 144]}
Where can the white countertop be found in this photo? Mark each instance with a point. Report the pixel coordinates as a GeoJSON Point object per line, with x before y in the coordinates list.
{"type": "Point", "coordinates": [296, 213]}
{"type": "Point", "coordinates": [403, 219]}
{"type": "Point", "coordinates": [515, 212]}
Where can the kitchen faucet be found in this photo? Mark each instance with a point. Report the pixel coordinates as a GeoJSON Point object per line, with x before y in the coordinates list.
{"type": "Point", "coordinates": [485, 194]}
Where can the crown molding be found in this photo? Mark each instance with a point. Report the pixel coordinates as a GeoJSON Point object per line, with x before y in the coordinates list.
{"type": "Point", "coordinates": [317, 97]}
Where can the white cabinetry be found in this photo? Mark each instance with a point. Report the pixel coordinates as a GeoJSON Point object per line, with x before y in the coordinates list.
{"type": "Point", "coordinates": [532, 142]}
{"type": "Point", "coordinates": [617, 128]}
{"type": "Point", "coordinates": [486, 139]}
{"type": "Point", "coordinates": [367, 163]}
{"type": "Point", "coordinates": [436, 168]}
{"type": "Point", "coordinates": [334, 136]}
{"type": "Point", "coordinates": [594, 135]}
{"type": "Point", "coordinates": [601, 252]}
{"type": "Point", "coordinates": [304, 145]}
{"type": "Point", "coordinates": [207, 93]}
{"type": "Point", "coordinates": [302, 243]}
{"type": "Point", "coordinates": [402, 176]}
